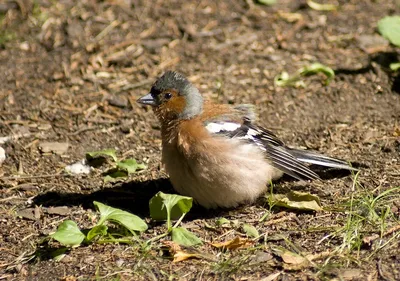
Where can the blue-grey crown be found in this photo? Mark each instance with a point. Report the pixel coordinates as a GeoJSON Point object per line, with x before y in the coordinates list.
{"type": "Point", "coordinates": [178, 82]}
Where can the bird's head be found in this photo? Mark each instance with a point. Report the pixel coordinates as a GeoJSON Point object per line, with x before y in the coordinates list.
{"type": "Point", "coordinates": [173, 97]}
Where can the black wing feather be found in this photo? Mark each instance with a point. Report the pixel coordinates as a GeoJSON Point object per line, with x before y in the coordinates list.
{"type": "Point", "coordinates": [281, 157]}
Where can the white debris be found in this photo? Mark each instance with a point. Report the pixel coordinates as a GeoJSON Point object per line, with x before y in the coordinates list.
{"type": "Point", "coordinates": [78, 168]}
{"type": "Point", "coordinates": [2, 155]}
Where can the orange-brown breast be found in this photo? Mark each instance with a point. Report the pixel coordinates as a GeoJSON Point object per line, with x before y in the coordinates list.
{"type": "Point", "coordinates": [193, 137]}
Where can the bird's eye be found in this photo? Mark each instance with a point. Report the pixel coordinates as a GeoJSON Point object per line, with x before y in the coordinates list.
{"type": "Point", "coordinates": [167, 96]}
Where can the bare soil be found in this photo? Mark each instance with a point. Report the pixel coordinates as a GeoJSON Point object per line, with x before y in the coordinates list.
{"type": "Point", "coordinates": [72, 70]}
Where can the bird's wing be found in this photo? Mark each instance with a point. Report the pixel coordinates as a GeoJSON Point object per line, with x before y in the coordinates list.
{"type": "Point", "coordinates": [231, 126]}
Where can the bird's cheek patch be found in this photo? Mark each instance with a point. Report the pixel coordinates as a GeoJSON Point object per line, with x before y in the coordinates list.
{"type": "Point", "coordinates": [176, 105]}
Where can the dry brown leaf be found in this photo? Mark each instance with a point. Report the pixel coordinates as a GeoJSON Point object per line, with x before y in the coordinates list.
{"type": "Point", "coordinates": [233, 244]}
{"type": "Point", "coordinates": [182, 255]}
{"type": "Point", "coordinates": [293, 258]}
{"type": "Point", "coordinates": [289, 257]}
{"type": "Point", "coordinates": [178, 254]}
{"type": "Point", "coordinates": [172, 246]}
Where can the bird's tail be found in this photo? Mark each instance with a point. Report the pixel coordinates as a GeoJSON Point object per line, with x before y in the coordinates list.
{"type": "Point", "coordinates": [319, 159]}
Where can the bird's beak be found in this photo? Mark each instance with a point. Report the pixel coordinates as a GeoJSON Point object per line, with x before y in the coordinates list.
{"type": "Point", "coordinates": [147, 100]}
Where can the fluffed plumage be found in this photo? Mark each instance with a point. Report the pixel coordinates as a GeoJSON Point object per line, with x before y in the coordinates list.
{"type": "Point", "coordinates": [215, 153]}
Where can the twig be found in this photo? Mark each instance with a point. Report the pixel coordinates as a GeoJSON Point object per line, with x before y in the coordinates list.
{"type": "Point", "coordinates": [371, 238]}
{"type": "Point", "coordinates": [34, 177]}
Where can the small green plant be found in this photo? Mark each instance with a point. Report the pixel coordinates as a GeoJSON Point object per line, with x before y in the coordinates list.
{"type": "Point", "coordinates": [69, 234]}
{"type": "Point", "coordinates": [389, 28]}
{"type": "Point", "coordinates": [120, 169]}
{"type": "Point", "coordinates": [285, 80]}
{"type": "Point", "coordinates": [163, 207]}
{"type": "Point", "coordinates": [366, 213]}
{"type": "Point", "coordinates": [166, 207]}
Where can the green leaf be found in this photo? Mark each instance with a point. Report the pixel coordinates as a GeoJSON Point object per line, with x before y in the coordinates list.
{"type": "Point", "coordinates": [130, 165]}
{"type": "Point", "coordinates": [128, 220]}
{"type": "Point", "coordinates": [296, 200]}
{"type": "Point", "coordinates": [389, 27]}
{"type": "Point", "coordinates": [321, 7]}
{"type": "Point", "coordinates": [98, 230]}
{"type": "Point", "coordinates": [267, 2]}
{"type": "Point", "coordinates": [102, 153]}
{"type": "Point", "coordinates": [318, 68]}
{"type": "Point", "coordinates": [164, 205]}
{"type": "Point", "coordinates": [184, 237]}
{"type": "Point", "coordinates": [68, 233]}
{"type": "Point", "coordinates": [250, 230]}
{"type": "Point", "coordinates": [394, 66]}
{"type": "Point", "coordinates": [222, 221]}
{"type": "Point", "coordinates": [115, 174]}
{"type": "Point", "coordinates": [285, 80]}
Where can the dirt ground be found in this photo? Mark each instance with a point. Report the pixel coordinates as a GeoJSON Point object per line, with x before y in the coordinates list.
{"type": "Point", "coordinates": [72, 70]}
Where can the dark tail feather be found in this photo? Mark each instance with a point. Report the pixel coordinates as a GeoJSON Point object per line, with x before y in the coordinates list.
{"type": "Point", "coordinates": [319, 159]}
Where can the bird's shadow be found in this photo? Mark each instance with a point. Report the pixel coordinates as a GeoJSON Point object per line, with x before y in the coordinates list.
{"type": "Point", "coordinates": [134, 196]}
{"type": "Point", "coordinates": [131, 196]}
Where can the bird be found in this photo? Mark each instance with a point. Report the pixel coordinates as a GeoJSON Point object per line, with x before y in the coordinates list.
{"type": "Point", "coordinates": [216, 153]}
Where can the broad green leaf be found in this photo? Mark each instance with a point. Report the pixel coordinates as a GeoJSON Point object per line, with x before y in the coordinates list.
{"type": "Point", "coordinates": [321, 7]}
{"type": "Point", "coordinates": [318, 68]}
{"type": "Point", "coordinates": [102, 153]}
{"type": "Point", "coordinates": [297, 200]}
{"type": "Point", "coordinates": [130, 165]}
{"type": "Point", "coordinates": [68, 233]}
{"type": "Point", "coordinates": [184, 237]}
{"type": "Point", "coordinates": [267, 2]}
{"type": "Point", "coordinates": [128, 220]}
{"type": "Point", "coordinates": [115, 174]}
{"type": "Point", "coordinates": [395, 66]}
{"type": "Point", "coordinates": [250, 230]}
{"type": "Point", "coordinates": [389, 27]}
{"type": "Point", "coordinates": [98, 230]}
{"type": "Point", "coordinates": [163, 204]}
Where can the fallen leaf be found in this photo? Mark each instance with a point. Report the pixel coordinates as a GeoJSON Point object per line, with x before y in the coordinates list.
{"type": "Point", "coordinates": [289, 257]}
{"type": "Point", "coordinates": [222, 221]}
{"type": "Point", "coordinates": [233, 244]}
{"type": "Point", "coordinates": [180, 255]}
{"type": "Point", "coordinates": [172, 246]}
{"type": "Point", "coordinates": [271, 277]}
{"type": "Point", "coordinates": [62, 210]}
{"type": "Point", "coordinates": [350, 274]}
{"type": "Point", "coordinates": [54, 147]}
{"type": "Point", "coordinates": [297, 200]}
{"type": "Point", "coordinates": [29, 213]}
{"type": "Point", "coordinates": [250, 231]}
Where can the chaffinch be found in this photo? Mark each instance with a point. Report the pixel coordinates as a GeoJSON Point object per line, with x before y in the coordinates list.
{"type": "Point", "coordinates": [215, 153]}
